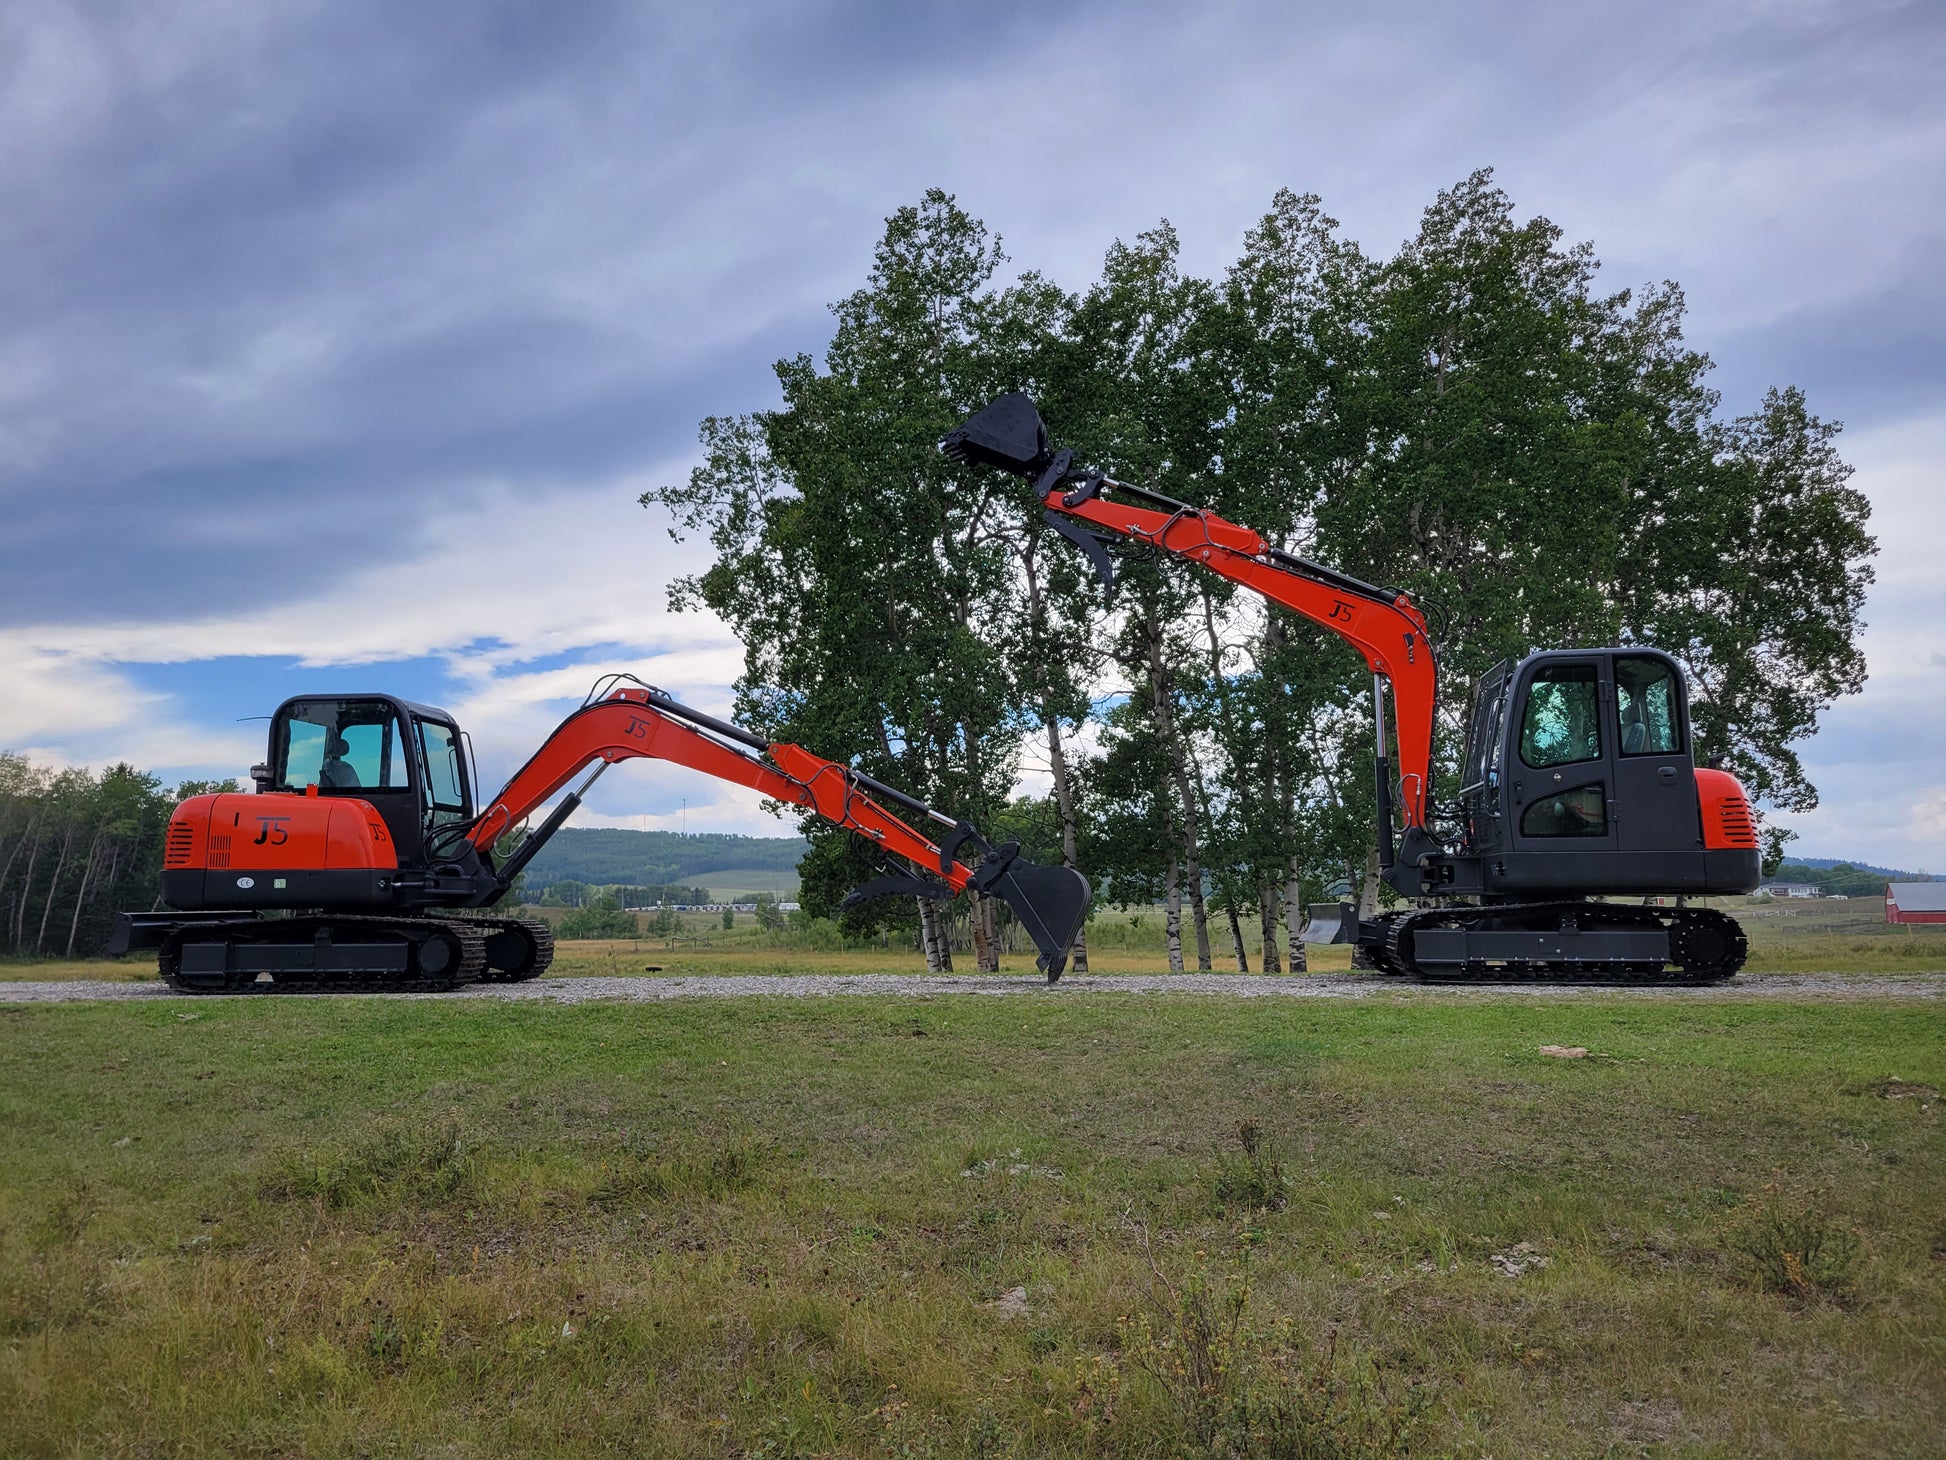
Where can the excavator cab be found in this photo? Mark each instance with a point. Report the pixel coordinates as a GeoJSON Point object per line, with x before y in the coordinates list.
{"type": "Point", "coordinates": [405, 759]}
{"type": "Point", "coordinates": [1580, 775]}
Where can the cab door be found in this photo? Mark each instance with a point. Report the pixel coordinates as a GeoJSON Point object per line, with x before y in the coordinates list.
{"type": "Point", "coordinates": [1485, 766]}
{"type": "Point", "coordinates": [1561, 771]}
{"type": "Point", "coordinates": [1655, 770]}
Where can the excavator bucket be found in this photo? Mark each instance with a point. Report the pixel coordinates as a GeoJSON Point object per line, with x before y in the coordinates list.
{"type": "Point", "coordinates": [1050, 902]}
{"type": "Point", "coordinates": [1007, 434]}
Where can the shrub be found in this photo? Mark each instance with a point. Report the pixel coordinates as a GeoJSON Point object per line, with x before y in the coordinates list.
{"type": "Point", "coordinates": [1792, 1248]}
{"type": "Point", "coordinates": [393, 1159]}
{"type": "Point", "coordinates": [1250, 1178]}
{"type": "Point", "coordinates": [1235, 1387]}
{"type": "Point", "coordinates": [603, 918]}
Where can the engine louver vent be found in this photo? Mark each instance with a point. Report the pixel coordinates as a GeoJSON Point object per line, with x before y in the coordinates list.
{"type": "Point", "coordinates": [1734, 819]}
{"type": "Point", "coordinates": [181, 845]}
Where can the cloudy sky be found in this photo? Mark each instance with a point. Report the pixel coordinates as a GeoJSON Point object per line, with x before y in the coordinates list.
{"type": "Point", "coordinates": [337, 339]}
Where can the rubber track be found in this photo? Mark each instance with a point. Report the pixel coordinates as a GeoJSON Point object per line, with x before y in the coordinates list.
{"type": "Point", "coordinates": [543, 937]}
{"type": "Point", "coordinates": [472, 937]}
{"type": "Point", "coordinates": [1392, 959]}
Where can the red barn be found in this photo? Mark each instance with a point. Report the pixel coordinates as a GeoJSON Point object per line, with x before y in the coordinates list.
{"type": "Point", "coordinates": [1915, 902]}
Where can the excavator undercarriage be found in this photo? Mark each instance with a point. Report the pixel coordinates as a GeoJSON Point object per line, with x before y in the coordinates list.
{"type": "Point", "coordinates": [1576, 940]}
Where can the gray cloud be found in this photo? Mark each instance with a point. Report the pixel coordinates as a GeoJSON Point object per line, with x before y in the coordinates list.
{"type": "Point", "coordinates": [294, 282]}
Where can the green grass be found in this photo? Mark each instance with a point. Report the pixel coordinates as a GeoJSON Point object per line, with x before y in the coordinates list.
{"type": "Point", "coordinates": [1837, 936]}
{"type": "Point", "coordinates": [363, 1226]}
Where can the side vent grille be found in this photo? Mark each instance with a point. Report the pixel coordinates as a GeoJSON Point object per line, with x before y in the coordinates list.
{"type": "Point", "coordinates": [1734, 819]}
{"type": "Point", "coordinates": [219, 849]}
{"type": "Point", "coordinates": [181, 845]}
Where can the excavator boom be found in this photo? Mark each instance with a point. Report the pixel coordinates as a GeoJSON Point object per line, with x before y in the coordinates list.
{"type": "Point", "coordinates": [1381, 623]}
{"type": "Point", "coordinates": [367, 850]}
{"type": "Point", "coordinates": [638, 720]}
{"type": "Point", "coordinates": [1583, 780]}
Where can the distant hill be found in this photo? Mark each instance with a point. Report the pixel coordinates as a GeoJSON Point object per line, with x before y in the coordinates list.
{"type": "Point", "coordinates": [603, 855]}
{"type": "Point", "coordinates": [1890, 874]}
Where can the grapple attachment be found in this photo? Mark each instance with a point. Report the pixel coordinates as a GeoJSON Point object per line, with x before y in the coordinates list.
{"type": "Point", "coordinates": [1007, 434]}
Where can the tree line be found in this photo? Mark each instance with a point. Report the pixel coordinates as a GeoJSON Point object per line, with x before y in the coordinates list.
{"type": "Point", "coordinates": [1472, 420]}
{"type": "Point", "coordinates": [76, 848]}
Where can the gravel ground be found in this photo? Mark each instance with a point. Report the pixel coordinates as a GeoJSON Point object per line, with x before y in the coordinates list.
{"type": "Point", "coordinates": [1242, 986]}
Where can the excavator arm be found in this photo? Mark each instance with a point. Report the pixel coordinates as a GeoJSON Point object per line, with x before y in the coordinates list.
{"type": "Point", "coordinates": [636, 720]}
{"type": "Point", "coordinates": [1381, 623]}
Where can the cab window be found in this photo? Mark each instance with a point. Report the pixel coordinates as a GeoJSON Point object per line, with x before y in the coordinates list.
{"type": "Point", "coordinates": [1562, 722]}
{"type": "Point", "coordinates": [343, 745]}
{"type": "Point", "coordinates": [1646, 704]}
{"type": "Point", "coordinates": [1485, 701]}
{"type": "Point", "coordinates": [1582, 811]}
{"type": "Point", "coordinates": [445, 777]}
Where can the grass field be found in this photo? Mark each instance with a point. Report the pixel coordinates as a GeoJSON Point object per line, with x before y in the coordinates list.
{"type": "Point", "coordinates": [739, 882]}
{"type": "Point", "coordinates": [901, 1227]}
{"type": "Point", "coordinates": [1836, 936]}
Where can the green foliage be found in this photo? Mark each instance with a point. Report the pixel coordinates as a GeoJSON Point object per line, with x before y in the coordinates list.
{"type": "Point", "coordinates": [1536, 461]}
{"type": "Point", "coordinates": [871, 593]}
{"type": "Point", "coordinates": [1792, 1246]}
{"type": "Point", "coordinates": [1844, 880]}
{"type": "Point", "coordinates": [601, 918]}
{"type": "Point", "coordinates": [76, 848]}
{"type": "Point", "coordinates": [729, 919]}
{"type": "Point", "coordinates": [1252, 1177]}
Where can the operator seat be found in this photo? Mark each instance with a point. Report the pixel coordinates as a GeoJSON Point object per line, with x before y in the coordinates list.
{"type": "Point", "coordinates": [1635, 733]}
{"type": "Point", "coordinates": [335, 773]}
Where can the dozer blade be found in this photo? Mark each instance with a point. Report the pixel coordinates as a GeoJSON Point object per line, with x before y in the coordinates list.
{"type": "Point", "coordinates": [1335, 924]}
{"type": "Point", "coordinates": [1007, 434]}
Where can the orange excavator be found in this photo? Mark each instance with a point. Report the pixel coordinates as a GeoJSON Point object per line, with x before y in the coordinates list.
{"type": "Point", "coordinates": [1579, 783]}
{"type": "Point", "coordinates": [363, 846]}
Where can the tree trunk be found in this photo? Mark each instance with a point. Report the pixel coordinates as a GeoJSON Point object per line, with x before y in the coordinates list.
{"type": "Point", "coordinates": [1057, 759]}
{"type": "Point", "coordinates": [1172, 919]}
{"type": "Point", "coordinates": [986, 939]}
{"type": "Point", "coordinates": [81, 895]}
{"type": "Point", "coordinates": [1368, 892]}
{"type": "Point", "coordinates": [1267, 920]}
{"type": "Point", "coordinates": [1165, 723]}
{"type": "Point", "coordinates": [1064, 801]}
{"type": "Point", "coordinates": [929, 934]}
{"type": "Point", "coordinates": [1236, 932]}
{"type": "Point", "coordinates": [26, 892]}
{"type": "Point", "coordinates": [942, 934]}
{"type": "Point", "coordinates": [1294, 919]}
{"type": "Point", "coordinates": [29, 834]}
{"type": "Point", "coordinates": [1367, 907]}
{"type": "Point", "coordinates": [53, 887]}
